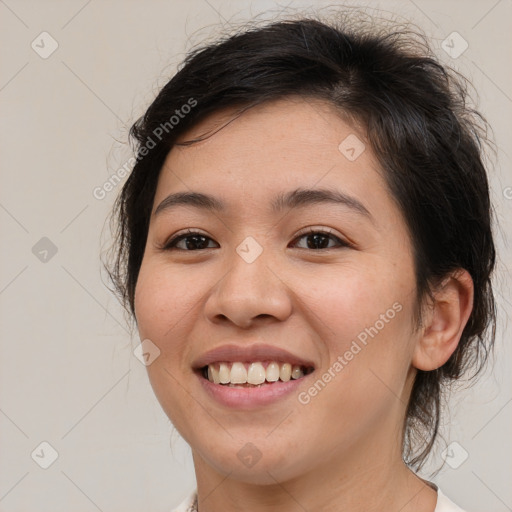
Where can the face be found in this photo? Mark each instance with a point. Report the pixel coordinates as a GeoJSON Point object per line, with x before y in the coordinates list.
{"type": "Point", "coordinates": [326, 285]}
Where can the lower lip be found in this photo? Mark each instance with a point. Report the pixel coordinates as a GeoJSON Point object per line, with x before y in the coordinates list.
{"type": "Point", "coordinates": [246, 398]}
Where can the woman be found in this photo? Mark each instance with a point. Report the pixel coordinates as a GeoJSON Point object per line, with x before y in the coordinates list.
{"type": "Point", "coordinates": [305, 244]}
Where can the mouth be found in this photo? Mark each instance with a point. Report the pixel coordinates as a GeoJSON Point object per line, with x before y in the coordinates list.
{"type": "Point", "coordinates": [253, 374]}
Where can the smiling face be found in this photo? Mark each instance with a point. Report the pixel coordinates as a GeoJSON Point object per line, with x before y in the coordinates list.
{"type": "Point", "coordinates": [252, 274]}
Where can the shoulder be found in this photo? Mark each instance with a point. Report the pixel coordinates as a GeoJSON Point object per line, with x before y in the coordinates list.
{"type": "Point", "coordinates": [189, 504]}
{"type": "Point", "coordinates": [444, 504]}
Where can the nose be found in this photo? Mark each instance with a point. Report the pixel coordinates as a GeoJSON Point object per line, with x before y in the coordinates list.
{"type": "Point", "coordinates": [249, 292]}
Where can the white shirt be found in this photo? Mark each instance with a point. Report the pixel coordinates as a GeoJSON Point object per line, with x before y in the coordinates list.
{"type": "Point", "coordinates": [444, 504]}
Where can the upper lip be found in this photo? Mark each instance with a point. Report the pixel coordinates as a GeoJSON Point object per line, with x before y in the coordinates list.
{"type": "Point", "coordinates": [256, 352]}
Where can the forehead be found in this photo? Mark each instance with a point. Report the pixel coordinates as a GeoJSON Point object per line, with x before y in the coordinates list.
{"type": "Point", "coordinates": [275, 146]}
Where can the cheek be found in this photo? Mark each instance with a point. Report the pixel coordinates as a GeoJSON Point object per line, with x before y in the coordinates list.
{"type": "Point", "coordinates": [362, 317]}
{"type": "Point", "coordinates": [161, 307]}
{"type": "Point", "coordinates": [364, 325]}
{"type": "Point", "coordinates": [164, 308]}
{"type": "Point", "coordinates": [346, 302]}
{"type": "Point", "coordinates": [162, 300]}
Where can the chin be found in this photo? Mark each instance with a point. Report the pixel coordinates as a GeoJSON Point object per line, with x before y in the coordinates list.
{"type": "Point", "coordinates": [266, 465]}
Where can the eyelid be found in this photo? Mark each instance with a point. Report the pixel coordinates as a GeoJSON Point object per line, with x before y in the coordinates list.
{"type": "Point", "coordinates": [174, 238]}
{"type": "Point", "coordinates": [180, 235]}
{"type": "Point", "coordinates": [326, 230]}
{"type": "Point", "coordinates": [316, 229]}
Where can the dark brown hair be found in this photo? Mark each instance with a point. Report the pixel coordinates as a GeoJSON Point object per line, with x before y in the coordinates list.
{"type": "Point", "coordinates": [427, 139]}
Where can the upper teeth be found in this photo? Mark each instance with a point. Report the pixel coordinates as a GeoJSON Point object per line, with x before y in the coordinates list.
{"type": "Point", "coordinates": [253, 373]}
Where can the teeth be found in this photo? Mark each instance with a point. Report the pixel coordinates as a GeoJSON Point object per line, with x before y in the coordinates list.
{"type": "Point", "coordinates": [285, 372]}
{"type": "Point", "coordinates": [297, 372]}
{"type": "Point", "coordinates": [255, 374]}
{"type": "Point", "coordinates": [213, 374]}
{"type": "Point", "coordinates": [224, 373]}
{"type": "Point", "coordinates": [238, 374]}
{"type": "Point", "coordinates": [272, 373]}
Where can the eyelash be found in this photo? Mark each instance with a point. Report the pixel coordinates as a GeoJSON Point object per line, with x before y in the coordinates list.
{"type": "Point", "coordinates": [170, 244]}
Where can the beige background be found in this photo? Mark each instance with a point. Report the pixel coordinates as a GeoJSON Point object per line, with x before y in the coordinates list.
{"type": "Point", "coordinates": [68, 373]}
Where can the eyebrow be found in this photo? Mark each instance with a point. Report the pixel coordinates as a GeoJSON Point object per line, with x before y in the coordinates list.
{"type": "Point", "coordinates": [285, 200]}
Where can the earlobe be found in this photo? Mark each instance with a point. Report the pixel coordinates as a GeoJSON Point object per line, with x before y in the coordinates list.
{"type": "Point", "coordinates": [444, 321]}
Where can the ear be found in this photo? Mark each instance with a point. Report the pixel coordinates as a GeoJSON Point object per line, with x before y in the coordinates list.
{"type": "Point", "coordinates": [444, 321]}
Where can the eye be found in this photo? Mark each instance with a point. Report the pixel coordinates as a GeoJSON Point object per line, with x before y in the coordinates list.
{"type": "Point", "coordinates": [317, 239]}
{"type": "Point", "coordinates": [192, 241]}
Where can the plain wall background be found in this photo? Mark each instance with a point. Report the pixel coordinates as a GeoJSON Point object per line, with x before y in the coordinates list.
{"type": "Point", "coordinates": [68, 373]}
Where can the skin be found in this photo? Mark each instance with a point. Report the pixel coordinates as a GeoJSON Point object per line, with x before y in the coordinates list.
{"type": "Point", "coordinates": [341, 451]}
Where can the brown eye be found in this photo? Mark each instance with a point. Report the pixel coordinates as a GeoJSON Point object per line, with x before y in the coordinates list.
{"type": "Point", "coordinates": [317, 239]}
{"type": "Point", "coordinates": [191, 242]}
